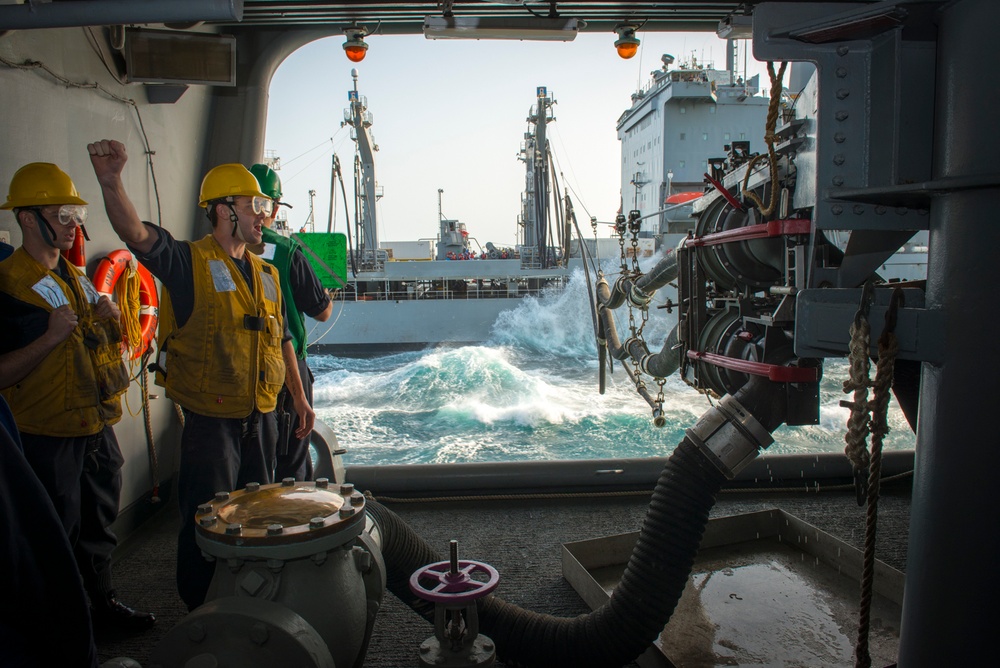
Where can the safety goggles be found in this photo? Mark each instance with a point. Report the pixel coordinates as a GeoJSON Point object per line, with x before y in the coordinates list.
{"type": "Point", "coordinates": [264, 205]}
{"type": "Point", "coordinates": [72, 214]}
{"type": "Point", "coordinates": [261, 205]}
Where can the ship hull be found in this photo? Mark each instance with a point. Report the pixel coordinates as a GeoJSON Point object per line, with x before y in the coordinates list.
{"type": "Point", "coordinates": [416, 305]}
{"type": "Point", "coordinates": [364, 328]}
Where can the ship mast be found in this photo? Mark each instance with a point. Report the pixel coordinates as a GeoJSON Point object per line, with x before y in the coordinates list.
{"type": "Point", "coordinates": [360, 119]}
{"type": "Point", "coordinates": [535, 156]}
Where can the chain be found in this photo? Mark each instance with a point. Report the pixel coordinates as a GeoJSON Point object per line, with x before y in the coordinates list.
{"type": "Point", "coordinates": [632, 226]}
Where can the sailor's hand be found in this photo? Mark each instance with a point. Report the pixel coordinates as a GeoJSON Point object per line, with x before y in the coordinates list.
{"type": "Point", "coordinates": [108, 158]}
{"type": "Point", "coordinates": [62, 321]}
{"type": "Point", "coordinates": [107, 308]}
{"type": "Point", "coordinates": [307, 418]}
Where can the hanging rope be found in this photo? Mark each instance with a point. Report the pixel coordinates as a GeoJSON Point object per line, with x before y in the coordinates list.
{"type": "Point", "coordinates": [154, 468]}
{"type": "Point", "coordinates": [127, 296]}
{"type": "Point", "coordinates": [858, 381]}
{"type": "Point", "coordinates": [888, 348]}
{"type": "Point", "coordinates": [769, 139]}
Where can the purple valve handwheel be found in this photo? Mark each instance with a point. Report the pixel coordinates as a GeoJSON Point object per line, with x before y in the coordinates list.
{"type": "Point", "coordinates": [438, 584]}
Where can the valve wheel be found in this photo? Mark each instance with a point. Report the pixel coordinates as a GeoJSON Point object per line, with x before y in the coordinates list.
{"type": "Point", "coordinates": [440, 583]}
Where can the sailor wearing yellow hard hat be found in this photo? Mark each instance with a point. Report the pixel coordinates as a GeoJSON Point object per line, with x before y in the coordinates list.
{"type": "Point", "coordinates": [224, 350]}
{"type": "Point", "coordinates": [62, 374]}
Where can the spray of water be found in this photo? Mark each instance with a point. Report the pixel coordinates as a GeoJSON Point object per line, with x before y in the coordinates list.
{"type": "Point", "coordinates": [531, 393]}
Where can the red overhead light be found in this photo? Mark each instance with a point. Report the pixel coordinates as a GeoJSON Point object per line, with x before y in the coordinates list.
{"type": "Point", "coordinates": [355, 46]}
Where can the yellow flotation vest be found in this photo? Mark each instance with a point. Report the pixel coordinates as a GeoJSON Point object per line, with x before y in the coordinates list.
{"type": "Point", "coordinates": [226, 360]}
{"type": "Point", "coordinates": [76, 389]}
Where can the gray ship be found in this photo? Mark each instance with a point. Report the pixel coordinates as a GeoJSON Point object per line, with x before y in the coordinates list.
{"type": "Point", "coordinates": [453, 288]}
{"type": "Point", "coordinates": [677, 123]}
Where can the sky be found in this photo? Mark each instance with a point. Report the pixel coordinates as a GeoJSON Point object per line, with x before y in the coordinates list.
{"type": "Point", "coordinates": [451, 115]}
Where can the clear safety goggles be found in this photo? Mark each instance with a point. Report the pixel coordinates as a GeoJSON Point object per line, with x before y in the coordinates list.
{"type": "Point", "coordinates": [264, 205]}
{"type": "Point", "coordinates": [72, 214]}
{"type": "Point", "coordinates": [260, 205]}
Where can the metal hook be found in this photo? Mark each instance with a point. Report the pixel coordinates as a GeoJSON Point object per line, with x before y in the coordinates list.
{"type": "Point", "coordinates": [867, 299]}
{"type": "Point", "coordinates": [896, 301]}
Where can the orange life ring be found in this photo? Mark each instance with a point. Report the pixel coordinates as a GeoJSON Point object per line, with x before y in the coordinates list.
{"type": "Point", "coordinates": [109, 270]}
{"type": "Point", "coordinates": [149, 310]}
{"type": "Point", "coordinates": [76, 255]}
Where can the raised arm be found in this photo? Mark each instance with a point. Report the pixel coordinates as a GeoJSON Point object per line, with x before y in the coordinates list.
{"type": "Point", "coordinates": [108, 158]}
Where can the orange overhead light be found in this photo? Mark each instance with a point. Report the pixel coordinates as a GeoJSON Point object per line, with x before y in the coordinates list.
{"type": "Point", "coordinates": [627, 43]}
{"type": "Point", "coordinates": [355, 47]}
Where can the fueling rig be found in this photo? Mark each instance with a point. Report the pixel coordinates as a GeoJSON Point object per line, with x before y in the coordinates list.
{"type": "Point", "coordinates": [761, 287]}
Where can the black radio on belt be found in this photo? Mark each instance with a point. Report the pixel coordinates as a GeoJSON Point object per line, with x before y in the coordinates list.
{"type": "Point", "coordinates": [254, 323]}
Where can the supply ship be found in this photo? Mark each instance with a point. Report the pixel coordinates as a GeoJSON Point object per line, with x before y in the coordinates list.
{"type": "Point", "coordinates": [408, 295]}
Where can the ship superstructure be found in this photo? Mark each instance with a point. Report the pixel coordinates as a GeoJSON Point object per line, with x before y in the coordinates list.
{"type": "Point", "coordinates": [683, 118]}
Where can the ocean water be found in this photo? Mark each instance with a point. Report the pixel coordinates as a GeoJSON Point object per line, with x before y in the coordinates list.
{"type": "Point", "coordinates": [531, 393]}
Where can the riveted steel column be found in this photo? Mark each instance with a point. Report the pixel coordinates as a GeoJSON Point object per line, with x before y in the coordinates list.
{"type": "Point", "coordinates": [950, 606]}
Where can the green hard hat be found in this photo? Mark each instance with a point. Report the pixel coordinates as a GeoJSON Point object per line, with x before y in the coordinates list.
{"type": "Point", "coordinates": [269, 182]}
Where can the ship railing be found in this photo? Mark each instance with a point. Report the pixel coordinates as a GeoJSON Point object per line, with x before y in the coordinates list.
{"type": "Point", "coordinates": [531, 258]}
{"type": "Point", "coordinates": [371, 260]}
{"type": "Point", "coordinates": [452, 290]}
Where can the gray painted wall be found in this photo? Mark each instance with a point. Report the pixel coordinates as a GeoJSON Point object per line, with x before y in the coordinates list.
{"type": "Point", "coordinates": [45, 120]}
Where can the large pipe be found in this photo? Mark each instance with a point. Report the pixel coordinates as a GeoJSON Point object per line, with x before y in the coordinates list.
{"type": "Point", "coordinates": [658, 365]}
{"type": "Point", "coordinates": [640, 291]}
{"type": "Point", "coordinates": [724, 440]}
{"type": "Point", "coordinates": [118, 12]}
{"type": "Point", "coordinates": [600, 475]}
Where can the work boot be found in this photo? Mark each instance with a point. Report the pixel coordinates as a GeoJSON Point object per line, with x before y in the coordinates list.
{"type": "Point", "coordinates": [109, 613]}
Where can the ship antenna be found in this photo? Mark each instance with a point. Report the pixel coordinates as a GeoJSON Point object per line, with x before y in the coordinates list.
{"type": "Point", "coordinates": [440, 215]}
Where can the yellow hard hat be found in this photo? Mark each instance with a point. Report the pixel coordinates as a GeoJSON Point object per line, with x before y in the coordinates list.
{"type": "Point", "coordinates": [231, 180]}
{"type": "Point", "coordinates": [41, 184]}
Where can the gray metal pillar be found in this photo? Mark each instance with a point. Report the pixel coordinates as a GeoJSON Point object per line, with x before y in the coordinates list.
{"type": "Point", "coordinates": [951, 606]}
{"type": "Point", "coordinates": [239, 115]}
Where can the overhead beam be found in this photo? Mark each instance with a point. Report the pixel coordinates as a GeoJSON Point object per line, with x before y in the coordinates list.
{"type": "Point", "coordinates": [36, 15]}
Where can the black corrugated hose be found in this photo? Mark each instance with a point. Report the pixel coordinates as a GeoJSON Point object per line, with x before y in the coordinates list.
{"type": "Point", "coordinates": [640, 606]}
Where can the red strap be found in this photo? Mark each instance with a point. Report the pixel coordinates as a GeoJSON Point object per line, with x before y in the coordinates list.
{"type": "Point", "coordinates": [774, 372]}
{"type": "Point", "coordinates": [774, 228]}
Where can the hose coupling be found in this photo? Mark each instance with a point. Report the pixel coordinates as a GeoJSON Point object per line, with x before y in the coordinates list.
{"type": "Point", "coordinates": [637, 297]}
{"type": "Point", "coordinates": [622, 284]}
{"type": "Point", "coordinates": [729, 436]}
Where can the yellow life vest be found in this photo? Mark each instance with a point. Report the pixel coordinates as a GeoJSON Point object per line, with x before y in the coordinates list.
{"type": "Point", "coordinates": [226, 360]}
{"type": "Point", "coordinates": [76, 389]}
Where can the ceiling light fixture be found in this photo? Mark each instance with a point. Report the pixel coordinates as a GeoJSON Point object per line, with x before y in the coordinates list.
{"type": "Point", "coordinates": [527, 28]}
{"type": "Point", "coordinates": [355, 46]}
{"type": "Point", "coordinates": [627, 43]}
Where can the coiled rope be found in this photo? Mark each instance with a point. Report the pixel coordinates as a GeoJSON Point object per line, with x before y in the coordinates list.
{"type": "Point", "coordinates": [127, 296]}
{"type": "Point", "coordinates": [126, 293]}
{"type": "Point", "coordinates": [769, 139]}
{"type": "Point", "coordinates": [858, 424]}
